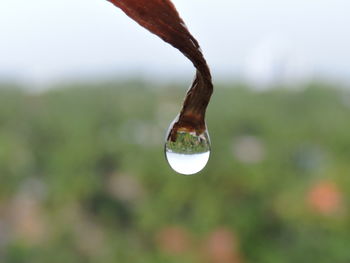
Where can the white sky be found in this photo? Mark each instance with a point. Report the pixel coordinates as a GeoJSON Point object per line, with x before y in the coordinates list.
{"type": "Point", "coordinates": [43, 40]}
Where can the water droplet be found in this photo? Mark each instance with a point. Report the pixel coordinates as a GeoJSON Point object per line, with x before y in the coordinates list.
{"type": "Point", "coordinates": [187, 151]}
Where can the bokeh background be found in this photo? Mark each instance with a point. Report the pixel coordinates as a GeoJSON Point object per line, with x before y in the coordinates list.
{"type": "Point", "coordinates": [86, 97]}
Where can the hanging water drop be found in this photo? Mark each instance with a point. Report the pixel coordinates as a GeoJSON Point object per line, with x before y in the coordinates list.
{"type": "Point", "coordinates": [187, 150]}
{"type": "Point", "coordinates": [187, 146]}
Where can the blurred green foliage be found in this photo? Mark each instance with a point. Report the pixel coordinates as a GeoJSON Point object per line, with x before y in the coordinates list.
{"type": "Point", "coordinates": [84, 179]}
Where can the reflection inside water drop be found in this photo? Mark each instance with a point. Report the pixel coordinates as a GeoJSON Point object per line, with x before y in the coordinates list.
{"type": "Point", "coordinates": [187, 152]}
